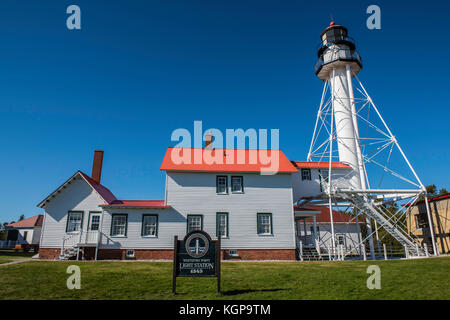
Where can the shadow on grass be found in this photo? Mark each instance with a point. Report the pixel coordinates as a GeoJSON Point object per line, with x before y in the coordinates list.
{"type": "Point", "coordinates": [236, 292]}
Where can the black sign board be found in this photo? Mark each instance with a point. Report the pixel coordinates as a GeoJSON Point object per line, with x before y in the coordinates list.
{"type": "Point", "coordinates": [196, 256]}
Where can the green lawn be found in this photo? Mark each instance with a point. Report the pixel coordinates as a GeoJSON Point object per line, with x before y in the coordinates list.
{"type": "Point", "coordinates": [4, 260]}
{"type": "Point", "coordinates": [400, 279]}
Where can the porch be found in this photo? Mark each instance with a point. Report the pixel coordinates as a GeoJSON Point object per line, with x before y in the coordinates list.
{"type": "Point", "coordinates": [307, 244]}
{"type": "Point", "coordinates": [76, 243]}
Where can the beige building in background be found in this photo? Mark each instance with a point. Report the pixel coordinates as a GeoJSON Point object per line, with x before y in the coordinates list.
{"type": "Point", "coordinates": [418, 222]}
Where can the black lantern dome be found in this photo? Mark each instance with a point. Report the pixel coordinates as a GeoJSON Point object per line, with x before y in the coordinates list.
{"type": "Point", "coordinates": [336, 46]}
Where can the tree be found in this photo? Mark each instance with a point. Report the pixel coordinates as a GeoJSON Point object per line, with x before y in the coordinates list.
{"type": "Point", "coordinates": [431, 190]}
{"type": "Point", "coordinates": [443, 191]}
{"type": "Point", "coordinates": [22, 217]}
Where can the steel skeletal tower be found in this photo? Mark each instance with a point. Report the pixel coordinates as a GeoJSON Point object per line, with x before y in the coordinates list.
{"type": "Point", "coordinates": [350, 128]}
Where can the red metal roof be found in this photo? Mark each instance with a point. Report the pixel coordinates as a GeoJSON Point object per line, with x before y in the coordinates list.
{"type": "Point", "coordinates": [324, 216]}
{"type": "Point", "coordinates": [137, 203]}
{"type": "Point", "coordinates": [251, 160]}
{"type": "Point", "coordinates": [437, 198]}
{"type": "Point", "coordinates": [444, 196]}
{"type": "Point", "coordinates": [104, 192]}
{"type": "Point", "coordinates": [319, 164]}
{"type": "Point", "coordinates": [35, 221]}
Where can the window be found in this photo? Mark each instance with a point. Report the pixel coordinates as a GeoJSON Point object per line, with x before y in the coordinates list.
{"type": "Point", "coordinates": [421, 220]}
{"type": "Point", "coordinates": [221, 184]}
{"type": "Point", "coordinates": [119, 225]}
{"type": "Point", "coordinates": [340, 239]}
{"type": "Point", "coordinates": [237, 184]}
{"type": "Point", "coordinates": [264, 223]}
{"type": "Point", "coordinates": [25, 235]}
{"type": "Point", "coordinates": [194, 222]}
{"type": "Point", "coordinates": [233, 253]}
{"type": "Point", "coordinates": [306, 174]}
{"type": "Point", "coordinates": [94, 224]}
{"type": "Point", "coordinates": [130, 253]}
{"type": "Point", "coordinates": [74, 221]}
{"type": "Point", "coordinates": [150, 225]}
{"type": "Point", "coordinates": [222, 224]}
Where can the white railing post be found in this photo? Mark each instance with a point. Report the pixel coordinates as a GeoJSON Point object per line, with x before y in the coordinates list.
{"type": "Point", "coordinates": [301, 250]}
{"type": "Point", "coordinates": [364, 252]}
{"type": "Point", "coordinates": [62, 245]}
{"type": "Point", "coordinates": [385, 251]}
{"type": "Point", "coordinates": [406, 252]}
{"type": "Point", "coordinates": [426, 249]}
{"type": "Point", "coordinates": [329, 253]}
{"type": "Point", "coordinates": [417, 250]}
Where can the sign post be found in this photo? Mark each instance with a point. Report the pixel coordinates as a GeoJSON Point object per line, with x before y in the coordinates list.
{"type": "Point", "coordinates": [196, 256]}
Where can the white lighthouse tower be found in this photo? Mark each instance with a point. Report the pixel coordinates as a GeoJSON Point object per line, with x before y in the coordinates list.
{"type": "Point", "coordinates": [338, 136]}
{"type": "Point", "coordinates": [338, 61]}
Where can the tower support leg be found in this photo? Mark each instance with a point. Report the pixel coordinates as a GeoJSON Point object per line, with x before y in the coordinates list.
{"type": "Point", "coordinates": [431, 227]}
{"type": "Point", "coordinates": [369, 231]}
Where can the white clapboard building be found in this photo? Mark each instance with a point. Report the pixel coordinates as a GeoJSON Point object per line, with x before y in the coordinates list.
{"type": "Point", "coordinates": [253, 213]}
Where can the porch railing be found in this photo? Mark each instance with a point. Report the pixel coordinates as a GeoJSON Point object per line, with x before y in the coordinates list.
{"type": "Point", "coordinates": [79, 238]}
{"type": "Point", "coordinates": [8, 244]}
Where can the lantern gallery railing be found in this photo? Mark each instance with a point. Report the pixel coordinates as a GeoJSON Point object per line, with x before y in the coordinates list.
{"type": "Point", "coordinates": [355, 57]}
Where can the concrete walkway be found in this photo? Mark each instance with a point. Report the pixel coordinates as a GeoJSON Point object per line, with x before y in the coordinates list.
{"type": "Point", "coordinates": [15, 261]}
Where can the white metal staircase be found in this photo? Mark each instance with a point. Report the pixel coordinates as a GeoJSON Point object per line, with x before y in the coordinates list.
{"type": "Point", "coordinates": [370, 210]}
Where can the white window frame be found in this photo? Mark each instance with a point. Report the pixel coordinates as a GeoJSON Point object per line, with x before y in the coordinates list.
{"type": "Point", "coordinates": [129, 253]}
{"type": "Point", "coordinates": [219, 215]}
{"type": "Point", "coordinates": [153, 225]}
{"type": "Point", "coordinates": [91, 216]}
{"type": "Point", "coordinates": [218, 184]}
{"type": "Point", "coordinates": [70, 222]}
{"type": "Point", "coordinates": [241, 184]}
{"type": "Point", "coordinates": [193, 216]}
{"type": "Point", "coordinates": [125, 225]}
{"type": "Point", "coordinates": [268, 224]}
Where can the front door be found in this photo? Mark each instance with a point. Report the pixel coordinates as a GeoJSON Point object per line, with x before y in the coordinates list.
{"type": "Point", "coordinates": [94, 222]}
{"type": "Point", "coordinates": [303, 234]}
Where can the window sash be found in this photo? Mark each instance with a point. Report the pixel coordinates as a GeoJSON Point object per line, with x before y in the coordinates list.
{"type": "Point", "coordinates": [119, 225]}
{"type": "Point", "coordinates": [264, 223]}
{"type": "Point", "coordinates": [306, 174]}
{"type": "Point", "coordinates": [237, 184]}
{"type": "Point", "coordinates": [222, 184]}
{"type": "Point", "coordinates": [74, 221]}
{"type": "Point", "coordinates": [150, 225]}
{"type": "Point", "coordinates": [222, 224]}
{"type": "Point", "coordinates": [95, 223]}
{"type": "Point", "coordinates": [194, 223]}
{"type": "Point", "coordinates": [340, 239]}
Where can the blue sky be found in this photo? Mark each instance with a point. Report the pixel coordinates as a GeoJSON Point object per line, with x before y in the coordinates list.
{"type": "Point", "coordinates": [137, 70]}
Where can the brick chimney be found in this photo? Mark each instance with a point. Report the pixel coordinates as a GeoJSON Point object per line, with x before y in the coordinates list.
{"type": "Point", "coordinates": [97, 166]}
{"type": "Point", "coordinates": [208, 141]}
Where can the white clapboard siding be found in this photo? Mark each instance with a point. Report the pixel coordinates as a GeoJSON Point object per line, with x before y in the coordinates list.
{"type": "Point", "coordinates": [77, 196]}
{"type": "Point", "coordinates": [350, 232]}
{"type": "Point", "coordinates": [309, 188]}
{"type": "Point", "coordinates": [170, 223]}
{"type": "Point", "coordinates": [195, 193]}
